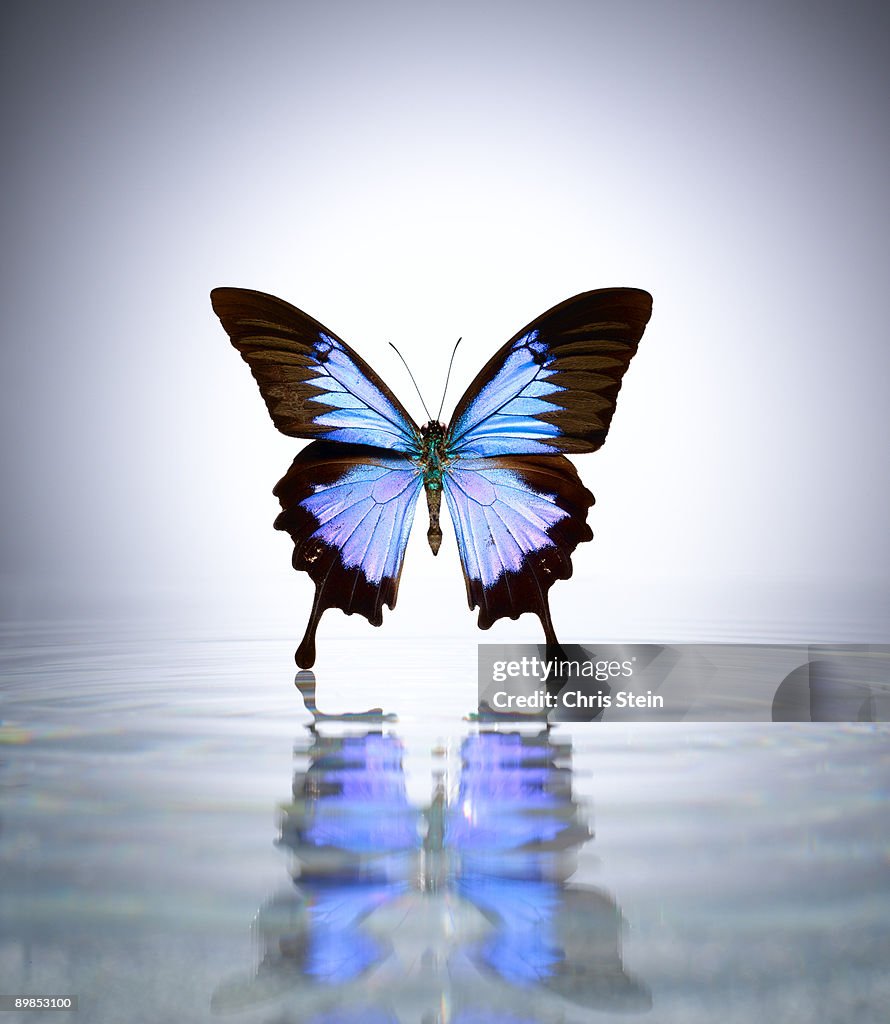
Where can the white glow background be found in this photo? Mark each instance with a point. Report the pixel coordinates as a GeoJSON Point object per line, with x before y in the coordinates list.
{"type": "Point", "coordinates": [415, 172]}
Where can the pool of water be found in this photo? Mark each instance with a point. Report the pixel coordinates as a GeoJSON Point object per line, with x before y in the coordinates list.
{"type": "Point", "coordinates": [181, 840]}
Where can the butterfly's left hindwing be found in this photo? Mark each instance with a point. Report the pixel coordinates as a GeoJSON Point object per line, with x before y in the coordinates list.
{"type": "Point", "coordinates": [349, 510]}
{"type": "Point", "coordinates": [517, 520]}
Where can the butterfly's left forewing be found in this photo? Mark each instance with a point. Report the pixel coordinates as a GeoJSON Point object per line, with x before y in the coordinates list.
{"type": "Point", "coordinates": [349, 510]}
{"type": "Point", "coordinates": [313, 383]}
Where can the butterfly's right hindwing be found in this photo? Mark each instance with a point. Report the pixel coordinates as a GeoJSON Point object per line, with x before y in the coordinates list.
{"type": "Point", "coordinates": [517, 520]}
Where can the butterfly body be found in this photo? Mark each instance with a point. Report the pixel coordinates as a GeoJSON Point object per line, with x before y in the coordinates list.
{"type": "Point", "coordinates": [434, 462]}
{"type": "Point", "coordinates": [517, 505]}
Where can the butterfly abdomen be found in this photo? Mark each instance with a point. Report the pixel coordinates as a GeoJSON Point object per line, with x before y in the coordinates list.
{"type": "Point", "coordinates": [433, 503]}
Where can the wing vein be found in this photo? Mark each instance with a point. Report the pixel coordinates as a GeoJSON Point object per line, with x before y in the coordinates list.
{"type": "Point", "coordinates": [475, 426]}
{"type": "Point", "coordinates": [400, 431]}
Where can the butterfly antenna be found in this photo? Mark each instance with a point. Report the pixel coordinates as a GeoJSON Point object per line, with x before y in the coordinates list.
{"type": "Point", "coordinates": [413, 381]}
{"type": "Point", "coordinates": [447, 378]}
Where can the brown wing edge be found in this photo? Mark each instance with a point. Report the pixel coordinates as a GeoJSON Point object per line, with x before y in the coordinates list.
{"type": "Point", "coordinates": [515, 593]}
{"type": "Point", "coordinates": [593, 336]}
{"type": "Point", "coordinates": [336, 586]}
{"type": "Point", "coordinates": [276, 339]}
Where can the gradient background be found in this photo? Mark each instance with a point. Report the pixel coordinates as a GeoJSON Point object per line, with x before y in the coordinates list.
{"type": "Point", "coordinates": [415, 172]}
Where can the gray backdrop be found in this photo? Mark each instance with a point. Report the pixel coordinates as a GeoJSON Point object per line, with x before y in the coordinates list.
{"type": "Point", "coordinates": [414, 172]}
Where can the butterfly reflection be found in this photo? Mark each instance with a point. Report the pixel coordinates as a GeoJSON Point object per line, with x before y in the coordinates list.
{"type": "Point", "coordinates": [460, 913]}
{"type": "Point", "coordinates": [305, 683]}
{"type": "Point", "coordinates": [518, 507]}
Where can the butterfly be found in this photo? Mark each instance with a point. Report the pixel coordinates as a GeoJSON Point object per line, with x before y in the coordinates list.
{"type": "Point", "coordinates": [517, 505]}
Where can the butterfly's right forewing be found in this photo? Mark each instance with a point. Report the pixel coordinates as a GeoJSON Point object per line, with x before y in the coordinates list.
{"type": "Point", "coordinates": [553, 387]}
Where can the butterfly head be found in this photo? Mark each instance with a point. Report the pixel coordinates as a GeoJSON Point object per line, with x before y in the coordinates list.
{"type": "Point", "coordinates": [433, 431]}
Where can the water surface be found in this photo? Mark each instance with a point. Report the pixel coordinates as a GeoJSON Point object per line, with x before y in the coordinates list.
{"type": "Point", "coordinates": [176, 843]}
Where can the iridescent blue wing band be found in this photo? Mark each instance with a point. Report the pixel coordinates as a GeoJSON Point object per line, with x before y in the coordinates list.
{"type": "Point", "coordinates": [313, 384]}
{"type": "Point", "coordinates": [553, 387]}
{"type": "Point", "coordinates": [517, 520]}
{"type": "Point", "coordinates": [349, 510]}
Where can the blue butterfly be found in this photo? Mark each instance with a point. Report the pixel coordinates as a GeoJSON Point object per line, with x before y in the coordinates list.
{"type": "Point", "coordinates": [518, 507]}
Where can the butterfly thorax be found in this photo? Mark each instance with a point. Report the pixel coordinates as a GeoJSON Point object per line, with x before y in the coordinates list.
{"type": "Point", "coordinates": [433, 460]}
{"type": "Point", "coordinates": [432, 454]}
